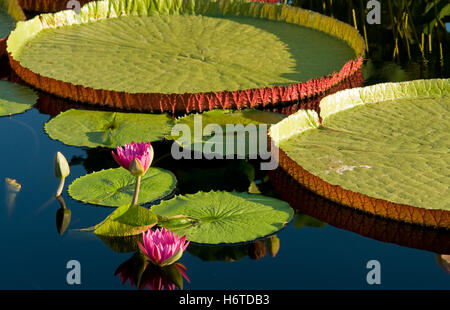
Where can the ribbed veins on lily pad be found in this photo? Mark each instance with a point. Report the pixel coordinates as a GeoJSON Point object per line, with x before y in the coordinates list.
{"type": "Point", "coordinates": [384, 149]}
{"type": "Point", "coordinates": [204, 217]}
{"type": "Point", "coordinates": [223, 217]}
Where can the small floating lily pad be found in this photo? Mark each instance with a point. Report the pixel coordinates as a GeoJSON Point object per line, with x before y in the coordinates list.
{"type": "Point", "coordinates": [127, 220]}
{"type": "Point", "coordinates": [107, 129]}
{"type": "Point", "coordinates": [115, 187]}
{"type": "Point", "coordinates": [224, 217]}
{"type": "Point", "coordinates": [384, 149]}
{"type": "Point", "coordinates": [226, 132]}
{"type": "Point", "coordinates": [15, 98]}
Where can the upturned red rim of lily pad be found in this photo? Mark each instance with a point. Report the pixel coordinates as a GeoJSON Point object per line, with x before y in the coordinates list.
{"type": "Point", "coordinates": [188, 102]}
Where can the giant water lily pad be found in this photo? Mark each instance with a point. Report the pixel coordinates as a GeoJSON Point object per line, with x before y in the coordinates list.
{"type": "Point", "coordinates": [384, 149]}
{"type": "Point", "coordinates": [224, 217]}
{"type": "Point", "coordinates": [221, 133]}
{"type": "Point", "coordinates": [115, 187]}
{"type": "Point", "coordinates": [15, 98]}
{"type": "Point", "coordinates": [107, 129]}
{"type": "Point", "coordinates": [184, 54]}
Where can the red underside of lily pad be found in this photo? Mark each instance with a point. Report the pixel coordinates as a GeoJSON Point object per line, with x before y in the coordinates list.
{"type": "Point", "coordinates": [58, 5]}
{"type": "Point", "coordinates": [155, 102]}
{"type": "Point", "coordinates": [375, 227]}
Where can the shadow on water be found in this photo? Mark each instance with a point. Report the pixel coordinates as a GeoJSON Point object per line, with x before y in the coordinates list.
{"type": "Point", "coordinates": [375, 227]}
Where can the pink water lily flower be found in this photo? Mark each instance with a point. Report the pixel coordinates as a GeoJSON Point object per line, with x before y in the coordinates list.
{"type": "Point", "coordinates": [135, 157]}
{"type": "Point", "coordinates": [162, 247]}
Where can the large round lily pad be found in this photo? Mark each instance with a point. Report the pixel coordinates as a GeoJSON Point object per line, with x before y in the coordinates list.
{"type": "Point", "coordinates": [222, 133]}
{"type": "Point", "coordinates": [184, 54]}
{"type": "Point", "coordinates": [15, 98]}
{"type": "Point", "coordinates": [384, 149]}
{"type": "Point", "coordinates": [224, 217]}
{"type": "Point", "coordinates": [115, 187]}
{"type": "Point", "coordinates": [107, 129]}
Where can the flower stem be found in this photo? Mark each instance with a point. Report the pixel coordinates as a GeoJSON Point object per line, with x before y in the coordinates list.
{"type": "Point", "coordinates": [136, 191]}
{"type": "Point", "coordinates": [60, 187]}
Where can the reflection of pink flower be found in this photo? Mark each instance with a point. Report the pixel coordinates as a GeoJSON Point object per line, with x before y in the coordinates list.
{"type": "Point", "coordinates": [140, 273]}
{"type": "Point", "coordinates": [157, 280]}
{"type": "Point", "coordinates": [142, 152]}
{"type": "Point", "coordinates": [162, 247]}
{"type": "Point", "coordinates": [131, 269]}
{"type": "Point", "coordinates": [124, 277]}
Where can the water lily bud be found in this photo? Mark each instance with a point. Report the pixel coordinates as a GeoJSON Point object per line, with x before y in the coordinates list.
{"type": "Point", "coordinates": [136, 168]}
{"type": "Point", "coordinates": [62, 169]}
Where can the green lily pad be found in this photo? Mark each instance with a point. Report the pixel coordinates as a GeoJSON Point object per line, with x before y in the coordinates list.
{"type": "Point", "coordinates": [7, 23]}
{"type": "Point", "coordinates": [15, 98]}
{"type": "Point", "coordinates": [224, 217]}
{"type": "Point", "coordinates": [302, 220]}
{"type": "Point", "coordinates": [10, 13]}
{"type": "Point", "coordinates": [172, 47]}
{"type": "Point", "coordinates": [226, 132]}
{"type": "Point", "coordinates": [227, 253]}
{"type": "Point", "coordinates": [107, 129]}
{"type": "Point", "coordinates": [115, 187]}
{"type": "Point", "coordinates": [388, 141]}
{"type": "Point", "coordinates": [126, 220]}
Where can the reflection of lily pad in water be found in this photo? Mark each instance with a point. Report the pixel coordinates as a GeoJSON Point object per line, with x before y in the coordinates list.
{"type": "Point", "coordinates": [365, 224]}
{"type": "Point", "coordinates": [107, 129]}
{"type": "Point", "coordinates": [303, 220]}
{"type": "Point", "coordinates": [122, 244]}
{"type": "Point", "coordinates": [225, 133]}
{"type": "Point", "coordinates": [15, 98]}
{"type": "Point", "coordinates": [177, 52]}
{"type": "Point", "coordinates": [383, 149]}
{"type": "Point", "coordinates": [115, 187]}
{"type": "Point", "coordinates": [223, 217]}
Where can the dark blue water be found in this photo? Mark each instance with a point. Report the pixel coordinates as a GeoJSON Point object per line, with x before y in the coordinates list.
{"type": "Point", "coordinates": [34, 255]}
